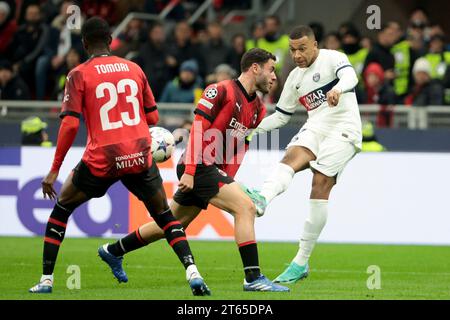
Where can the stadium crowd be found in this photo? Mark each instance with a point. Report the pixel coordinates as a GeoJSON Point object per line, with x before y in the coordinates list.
{"type": "Point", "coordinates": [407, 66]}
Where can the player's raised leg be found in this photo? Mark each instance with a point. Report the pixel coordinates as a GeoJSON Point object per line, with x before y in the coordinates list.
{"type": "Point", "coordinates": [232, 199]}
{"type": "Point", "coordinates": [69, 199]}
{"type": "Point", "coordinates": [296, 159]}
{"type": "Point", "coordinates": [318, 213]}
{"type": "Point", "coordinates": [331, 161]}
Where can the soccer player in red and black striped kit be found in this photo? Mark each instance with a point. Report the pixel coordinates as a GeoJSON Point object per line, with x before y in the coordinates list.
{"type": "Point", "coordinates": [117, 104]}
{"type": "Point", "coordinates": [224, 117]}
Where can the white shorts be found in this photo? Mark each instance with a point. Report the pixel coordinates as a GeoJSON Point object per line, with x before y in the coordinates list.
{"type": "Point", "coordinates": [332, 155]}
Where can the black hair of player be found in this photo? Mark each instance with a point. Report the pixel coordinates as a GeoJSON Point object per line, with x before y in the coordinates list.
{"type": "Point", "coordinates": [302, 31]}
{"type": "Point", "coordinates": [96, 34]}
{"type": "Point", "coordinates": [255, 55]}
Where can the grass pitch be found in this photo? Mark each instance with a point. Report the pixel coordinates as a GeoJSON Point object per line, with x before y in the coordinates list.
{"type": "Point", "coordinates": [338, 271]}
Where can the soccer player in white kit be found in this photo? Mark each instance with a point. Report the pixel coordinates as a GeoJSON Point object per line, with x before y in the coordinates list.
{"type": "Point", "coordinates": [323, 82]}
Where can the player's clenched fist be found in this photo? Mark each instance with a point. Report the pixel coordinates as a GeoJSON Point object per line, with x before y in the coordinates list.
{"type": "Point", "coordinates": [186, 183]}
{"type": "Point", "coordinates": [333, 97]}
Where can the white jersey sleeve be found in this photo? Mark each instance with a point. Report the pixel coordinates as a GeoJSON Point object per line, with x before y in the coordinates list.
{"type": "Point", "coordinates": [288, 101]}
{"type": "Point", "coordinates": [344, 72]}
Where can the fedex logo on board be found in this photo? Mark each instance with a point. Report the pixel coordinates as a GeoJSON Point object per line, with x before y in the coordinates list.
{"type": "Point", "coordinates": [123, 214]}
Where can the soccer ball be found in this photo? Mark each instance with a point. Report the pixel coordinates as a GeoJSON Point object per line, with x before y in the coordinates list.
{"type": "Point", "coordinates": [163, 144]}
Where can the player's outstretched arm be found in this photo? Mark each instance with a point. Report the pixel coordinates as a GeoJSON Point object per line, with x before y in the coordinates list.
{"type": "Point", "coordinates": [347, 82]}
{"type": "Point", "coordinates": [276, 120]}
{"type": "Point", "coordinates": [67, 133]}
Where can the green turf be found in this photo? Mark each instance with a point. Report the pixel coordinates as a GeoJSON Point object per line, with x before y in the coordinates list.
{"type": "Point", "coordinates": [338, 271]}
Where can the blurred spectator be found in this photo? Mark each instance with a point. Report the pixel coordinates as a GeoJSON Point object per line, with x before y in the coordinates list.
{"type": "Point", "coordinates": [446, 84]}
{"type": "Point", "coordinates": [73, 59]}
{"type": "Point", "coordinates": [274, 40]}
{"type": "Point", "coordinates": [332, 41]}
{"type": "Point", "coordinates": [200, 33]}
{"type": "Point", "coordinates": [50, 10]}
{"type": "Point", "coordinates": [158, 65]}
{"type": "Point", "coordinates": [419, 24]}
{"type": "Point", "coordinates": [12, 87]}
{"type": "Point", "coordinates": [426, 91]}
{"type": "Point", "coordinates": [8, 27]}
{"type": "Point", "coordinates": [183, 88]}
{"type": "Point", "coordinates": [222, 72]}
{"type": "Point", "coordinates": [436, 30]}
{"type": "Point", "coordinates": [377, 91]}
{"type": "Point", "coordinates": [344, 28]}
{"type": "Point", "coordinates": [129, 41]}
{"type": "Point", "coordinates": [105, 9]}
{"type": "Point", "coordinates": [236, 52]}
{"type": "Point", "coordinates": [351, 45]}
{"type": "Point", "coordinates": [381, 53]}
{"type": "Point", "coordinates": [29, 43]}
{"type": "Point", "coordinates": [61, 40]}
{"type": "Point", "coordinates": [319, 31]}
{"type": "Point", "coordinates": [437, 57]}
{"type": "Point", "coordinates": [258, 32]}
{"type": "Point", "coordinates": [405, 56]}
{"type": "Point", "coordinates": [370, 142]}
{"type": "Point", "coordinates": [34, 133]}
{"type": "Point", "coordinates": [215, 50]}
{"type": "Point", "coordinates": [366, 43]}
{"type": "Point", "coordinates": [182, 48]}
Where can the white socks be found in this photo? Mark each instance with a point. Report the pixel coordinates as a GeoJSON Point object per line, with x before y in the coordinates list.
{"type": "Point", "coordinates": [318, 212]}
{"type": "Point", "coordinates": [192, 272]}
{"type": "Point", "coordinates": [48, 279]}
{"type": "Point", "coordinates": [277, 182]}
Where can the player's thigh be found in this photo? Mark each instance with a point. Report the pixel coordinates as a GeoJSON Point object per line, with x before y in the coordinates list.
{"type": "Point", "coordinates": [333, 157]}
{"type": "Point", "coordinates": [147, 186]}
{"type": "Point", "coordinates": [302, 149]}
{"type": "Point", "coordinates": [184, 214]}
{"type": "Point", "coordinates": [232, 199]}
{"type": "Point", "coordinates": [298, 158]}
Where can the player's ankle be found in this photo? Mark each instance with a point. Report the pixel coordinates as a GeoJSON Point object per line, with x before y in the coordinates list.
{"type": "Point", "coordinates": [47, 279]}
{"type": "Point", "coordinates": [192, 272]}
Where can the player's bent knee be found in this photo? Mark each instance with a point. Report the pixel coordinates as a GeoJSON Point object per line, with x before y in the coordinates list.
{"type": "Point", "coordinates": [245, 209]}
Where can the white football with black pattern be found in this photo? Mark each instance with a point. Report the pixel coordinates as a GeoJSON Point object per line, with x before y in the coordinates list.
{"type": "Point", "coordinates": [163, 144]}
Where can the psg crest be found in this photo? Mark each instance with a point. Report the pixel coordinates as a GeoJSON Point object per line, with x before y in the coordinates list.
{"type": "Point", "coordinates": [316, 77]}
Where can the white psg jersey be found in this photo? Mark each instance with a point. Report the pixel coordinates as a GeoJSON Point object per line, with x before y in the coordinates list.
{"type": "Point", "coordinates": [308, 87]}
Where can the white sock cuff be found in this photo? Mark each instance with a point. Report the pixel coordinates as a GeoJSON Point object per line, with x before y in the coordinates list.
{"type": "Point", "coordinates": [318, 201]}
{"type": "Point", "coordinates": [47, 277]}
{"type": "Point", "coordinates": [286, 168]}
{"type": "Point", "coordinates": [192, 271]}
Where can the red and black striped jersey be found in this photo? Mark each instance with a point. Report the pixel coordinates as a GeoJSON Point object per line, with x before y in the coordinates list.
{"type": "Point", "coordinates": [115, 99]}
{"type": "Point", "coordinates": [228, 115]}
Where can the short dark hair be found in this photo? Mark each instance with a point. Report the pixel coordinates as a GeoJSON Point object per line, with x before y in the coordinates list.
{"type": "Point", "coordinates": [255, 55]}
{"type": "Point", "coordinates": [302, 31]}
{"type": "Point", "coordinates": [95, 31]}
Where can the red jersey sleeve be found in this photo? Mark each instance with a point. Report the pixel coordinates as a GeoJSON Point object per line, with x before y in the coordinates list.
{"type": "Point", "coordinates": [73, 95]}
{"type": "Point", "coordinates": [211, 102]}
{"type": "Point", "coordinates": [67, 133]}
